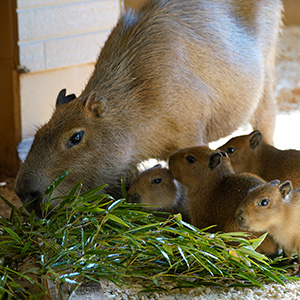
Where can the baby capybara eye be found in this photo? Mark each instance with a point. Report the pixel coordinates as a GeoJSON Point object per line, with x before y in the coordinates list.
{"type": "Point", "coordinates": [156, 181]}
{"type": "Point", "coordinates": [230, 150]}
{"type": "Point", "coordinates": [264, 202]}
{"type": "Point", "coordinates": [191, 159]}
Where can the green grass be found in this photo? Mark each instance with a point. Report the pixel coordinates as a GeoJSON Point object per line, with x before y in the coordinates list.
{"type": "Point", "coordinates": [91, 236]}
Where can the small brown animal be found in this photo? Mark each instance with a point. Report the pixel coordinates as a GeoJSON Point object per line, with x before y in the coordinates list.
{"type": "Point", "coordinates": [273, 207]}
{"type": "Point", "coordinates": [170, 68]}
{"type": "Point", "coordinates": [249, 153]}
{"type": "Point", "coordinates": [157, 187]}
{"type": "Point", "coordinates": [214, 190]}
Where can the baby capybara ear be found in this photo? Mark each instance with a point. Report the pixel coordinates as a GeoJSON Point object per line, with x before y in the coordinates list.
{"type": "Point", "coordinates": [214, 160]}
{"type": "Point", "coordinates": [255, 139]}
{"type": "Point", "coordinates": [98, 106]}
{"type": "Point", "coordinates": [157, 166]}
{"type": "Point", "coordinates": [224, 154]}
{"type": "Point", "coordinates": [63, 99]}
{"type": "Point", "coordinates": [285, 189]}
{"type": "Point", "coordinates": [275, 182]}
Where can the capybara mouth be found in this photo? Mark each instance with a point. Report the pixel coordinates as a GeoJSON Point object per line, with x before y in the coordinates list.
{"type": "Point", "coordinates": [32, 202]}
{"type": "Point", "coordinates": [36, 206]}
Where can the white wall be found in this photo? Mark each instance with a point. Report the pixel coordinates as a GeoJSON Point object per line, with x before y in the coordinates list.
{"type": "Point", "coordinates": [59, 41]}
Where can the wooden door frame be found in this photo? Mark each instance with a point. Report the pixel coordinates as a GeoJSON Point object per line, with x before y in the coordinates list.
{"type": "Point", "coordinates": [10, 113]}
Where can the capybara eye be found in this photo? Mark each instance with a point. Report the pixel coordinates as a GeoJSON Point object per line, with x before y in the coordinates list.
{"type": "Point", "coordinates": [156, 181]}
{"type": "Point", "coordinates": [75, 139]}
{"type": "Point", "coordinates": [191, 159]}
{"type": "Point", "coordinates": [263, 202]}
{"type": "Point", "coordinates": [230, 150]}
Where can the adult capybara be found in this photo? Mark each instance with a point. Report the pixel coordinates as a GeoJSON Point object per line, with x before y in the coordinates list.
{"type": "Point", "coordinates": [249, 153]}
{"type": "Point", "coordinates": [214, 189]}
{"type": "Point", "coordinates": [273, 207]}
{"type": "Point", "coordinates": [157, 187]}
{"type": "Point", "coordinates": [172, 74]}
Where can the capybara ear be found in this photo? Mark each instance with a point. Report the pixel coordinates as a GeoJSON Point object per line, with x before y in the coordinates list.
{"type": "Point", "coordinates": [96, 105]}
{"type": "Point", "coordinates": [215, 160]}
{"type": "Point", "coordinates": [255, 139]}
{"type": "Point", "coordinates": [224, 154]}
{"type": "Point", "coordinates": [275, 182]}
{"type": "Point", "coordinates": [63, 99]}
{"type": "Point", "coordinates": [285, 189]}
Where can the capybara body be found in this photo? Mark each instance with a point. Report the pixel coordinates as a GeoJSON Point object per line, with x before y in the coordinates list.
{"type": "Point", "coordinates": [169, 68]}
{"type": "Point", "coordinates": [157, 187]}
{"type": "Point", "coordinates": [214, 190]}
{"type": "Point", "coordinates": [249, 153]}
{"type": "Point", "coordinates": [273, 207]}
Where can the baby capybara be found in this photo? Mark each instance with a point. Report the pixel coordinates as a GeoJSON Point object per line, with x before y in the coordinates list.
{"type": "Point", "coordinates": [214, 189]}
{"type": "Point", "coordinates": [249, 153]}
{"type": "Point", "coordinates": [273, 207]}
{"type": "Point", "coordinates": [157, 187]}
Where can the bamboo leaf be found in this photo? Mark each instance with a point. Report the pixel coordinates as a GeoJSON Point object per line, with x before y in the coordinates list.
{"type": "Point", "coordinates": [12, 234]}
{"type": "Point", "coordinates": [116, 219]}
{"type": "Point", "coordinates": [55, 183]}
{"type": "Point", "coordinates": [25, 248]}
{"type": "Point", "coordinates": [115, 204]}
{"type": "Point", "coordinates": [7, 202]}
{"type": "Point", "coordinates": [183, 256]}
{"type": "Point", "coordinates": [256, 242]}
{"type": "Point", "coordinates": [249, 277]}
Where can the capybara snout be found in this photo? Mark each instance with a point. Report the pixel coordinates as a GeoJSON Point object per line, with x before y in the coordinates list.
{"type": "Point", "coordinates": [32, 201]}
{"type": "Point", "coordinates": [241, 220]}
{"type": "Point", "coordinates": [134, 198]}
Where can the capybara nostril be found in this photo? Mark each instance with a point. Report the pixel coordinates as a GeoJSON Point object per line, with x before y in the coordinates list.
{"type": "Point", "coordinates": [134, 198]}
{"type": "Point", "coordinates": [34, 195]}
{"type": "Point", "coordinates": [240, 218]}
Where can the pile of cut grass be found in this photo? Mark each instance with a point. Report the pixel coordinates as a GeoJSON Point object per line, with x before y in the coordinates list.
{"type": "Point", "coordinates": [91, 236]}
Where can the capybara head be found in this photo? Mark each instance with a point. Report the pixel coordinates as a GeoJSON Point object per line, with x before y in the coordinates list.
{"type": "Point", "coordinates": [262, 208]}
{"type": "Point", "coordinates": [72, 140]}
{"type": "Point", "coordinates": [198, 164]}
{"type": "Point", "coordinates": [241, 150]}
{"type": "Point", "coordinates": [156, 187]}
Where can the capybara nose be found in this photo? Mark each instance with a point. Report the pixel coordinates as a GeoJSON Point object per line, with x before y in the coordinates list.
{"type": "Point", "coordinates": [240, 218]}
{"type": "Point", "coordinates": [31, 201]}
{"type": "Point", "coordinates": [134, 198]}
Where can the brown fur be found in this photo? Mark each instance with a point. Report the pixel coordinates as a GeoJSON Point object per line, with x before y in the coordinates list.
{"type": "Point", "coordinates": [253, 155]}
{"type": "Point", "coordinates": [170, 68]}
{"type": "Point", "coordinates": [157, 187]}
{"type": "Point", "coordinates": [214, 190]}
{"type": "Point", "coordinates": [280, 216]}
